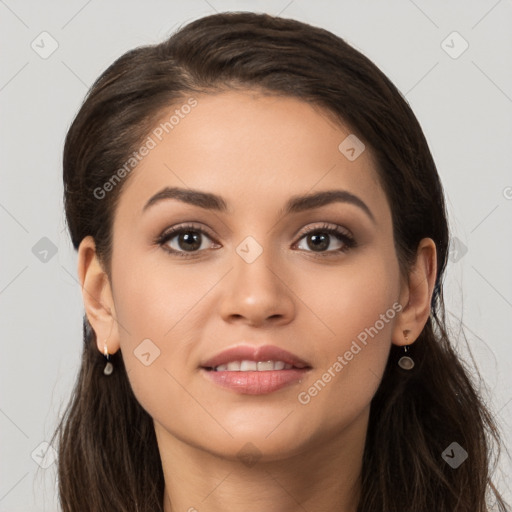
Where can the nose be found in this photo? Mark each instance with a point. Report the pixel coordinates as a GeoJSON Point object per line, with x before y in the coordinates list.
{"type": "Point", "coordinates": [257, 293]}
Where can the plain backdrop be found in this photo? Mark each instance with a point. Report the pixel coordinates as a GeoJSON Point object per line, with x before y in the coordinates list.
{"type": "Point", "coordinates": [451, 60]}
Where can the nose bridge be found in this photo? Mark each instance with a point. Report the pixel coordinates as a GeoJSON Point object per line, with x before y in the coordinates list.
{"type": "Point", "coordinates": [256, 291]}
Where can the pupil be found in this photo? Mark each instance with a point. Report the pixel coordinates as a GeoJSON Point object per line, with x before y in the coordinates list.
{"type": "Point", "coordinates": [190, 240]}
{"type": "Point", "coordinates": [318, 241]}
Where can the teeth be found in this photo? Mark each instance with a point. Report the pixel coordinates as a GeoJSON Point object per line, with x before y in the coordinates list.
{"type": "Point", "coordinates": [253, 366]}
{"type": "Point", "coordinates": [248, 366]}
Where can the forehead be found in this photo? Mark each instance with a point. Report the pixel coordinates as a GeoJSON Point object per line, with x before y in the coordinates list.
{"type": "Point", "coordinates": [254, 150]}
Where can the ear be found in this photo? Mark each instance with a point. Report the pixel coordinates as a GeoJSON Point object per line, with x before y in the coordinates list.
{"type": "Point", "coordinates": [416, 295]}
{"type": "Point", "coordinates": [97, 296]}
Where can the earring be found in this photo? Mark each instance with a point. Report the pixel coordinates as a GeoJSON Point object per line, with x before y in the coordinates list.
{"type": "Point", "coordinates": [406, 362]}
{"type": "Point", "coordinates": [109, 367]}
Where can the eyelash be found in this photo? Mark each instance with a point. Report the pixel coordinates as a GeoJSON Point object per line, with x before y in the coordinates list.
{"type": "Point", "coordinates": [347, 240]}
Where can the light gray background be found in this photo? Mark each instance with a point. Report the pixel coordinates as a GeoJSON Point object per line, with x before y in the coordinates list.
{"type": "Point", "coordinates": [464, 105]}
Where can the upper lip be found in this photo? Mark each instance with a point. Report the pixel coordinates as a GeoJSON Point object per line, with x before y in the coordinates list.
{"type": "Point", "coordinates": [251, 353]}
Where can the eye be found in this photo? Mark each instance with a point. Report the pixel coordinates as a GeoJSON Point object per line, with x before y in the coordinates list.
{"type": "Point", "coordinates": [184, 239]}
{"type": "Point", "coordinates": [327, 239]}
{"type": "Point", "coordinates": [189, 240]}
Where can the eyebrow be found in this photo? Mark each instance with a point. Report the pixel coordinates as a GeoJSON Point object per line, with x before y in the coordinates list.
{"type": "Point", "coordinates": [295, 204]}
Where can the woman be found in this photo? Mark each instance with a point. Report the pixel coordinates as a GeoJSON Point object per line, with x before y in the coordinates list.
{"type": "Point", "coordinates": [261, 238]}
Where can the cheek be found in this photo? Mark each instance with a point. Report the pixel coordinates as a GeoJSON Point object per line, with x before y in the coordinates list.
{"type": "Point", "coordinates": [356, 310]}
{"type": "Point", "coordinates": [153, 297]}
{"type": "Point", "coordinates": [152, 309]}
{"type": "Point", "coordinates": [158, 307]}
{"type": "Point", "coordinates": [348, 300]}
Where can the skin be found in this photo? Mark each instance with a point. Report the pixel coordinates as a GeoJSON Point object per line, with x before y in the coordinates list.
{"type": "Point", "coordinates": [256, 152]}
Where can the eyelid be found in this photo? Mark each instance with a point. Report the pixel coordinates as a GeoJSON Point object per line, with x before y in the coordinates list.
{"type": "Point", "coordinates": [341, 232]}
{"type": "Point", "coordinates": [327, 227]}
{"type": "Point", "coordinates": [169, 233]}
{"type": "Point", "coordinates": [191, 226]}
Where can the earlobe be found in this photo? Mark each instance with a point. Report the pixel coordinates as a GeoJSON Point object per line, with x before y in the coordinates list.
{"type": "Point", "coordinates": [417, 295]}
{"type": "Point", "coordinates": [97, 296]}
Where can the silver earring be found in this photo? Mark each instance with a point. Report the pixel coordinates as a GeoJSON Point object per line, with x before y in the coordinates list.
{"type": "Point", "coordinates": [109, 367]}
{"type": "Point", "coordinates": [406, 362]}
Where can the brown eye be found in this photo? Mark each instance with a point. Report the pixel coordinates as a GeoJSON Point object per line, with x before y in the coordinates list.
{"type": "Point", "coordinates": [185, 239]}
{"type": "Point", "coordinates": [189, 240]}
{"type": "Point", "coordinates": [318, 242]}
{"type": "Point", "coordinates": [326, 240]}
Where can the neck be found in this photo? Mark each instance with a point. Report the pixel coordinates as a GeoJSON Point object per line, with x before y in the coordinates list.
{"type": "Point", "coordinates": [325, 476]}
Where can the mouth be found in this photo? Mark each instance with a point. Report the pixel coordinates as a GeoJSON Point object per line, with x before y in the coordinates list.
{"type": "Point", "coordinates": [254, 370]}
{"type": "Point", "coordinates": [254, 366]}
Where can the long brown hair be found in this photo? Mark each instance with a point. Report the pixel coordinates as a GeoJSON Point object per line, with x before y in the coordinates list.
{"type": "Point", "coordinates": [108, 455]}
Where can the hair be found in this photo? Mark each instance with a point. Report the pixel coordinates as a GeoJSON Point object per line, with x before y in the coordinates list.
{"type": "Point", "coordinates": [108, 454]}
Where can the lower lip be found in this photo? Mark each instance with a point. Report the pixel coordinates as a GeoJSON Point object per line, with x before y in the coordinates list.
{"type": "Point", "coordinates": [256, 383]}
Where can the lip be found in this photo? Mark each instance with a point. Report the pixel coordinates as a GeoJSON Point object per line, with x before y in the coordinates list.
{"type": "Point", "coordinates": [255, 382]}
{"type": "Point", "coordinates": [261, 353]}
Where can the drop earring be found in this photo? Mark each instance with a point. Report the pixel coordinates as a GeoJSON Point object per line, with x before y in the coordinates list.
{"type": "Point", "coordinates": [109, 367]}
{"type": "Point", "coordinates": [406, 362]}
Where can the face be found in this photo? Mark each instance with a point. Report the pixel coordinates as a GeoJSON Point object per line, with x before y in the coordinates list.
{"type": "Point", "coordinates": [234, 261]}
